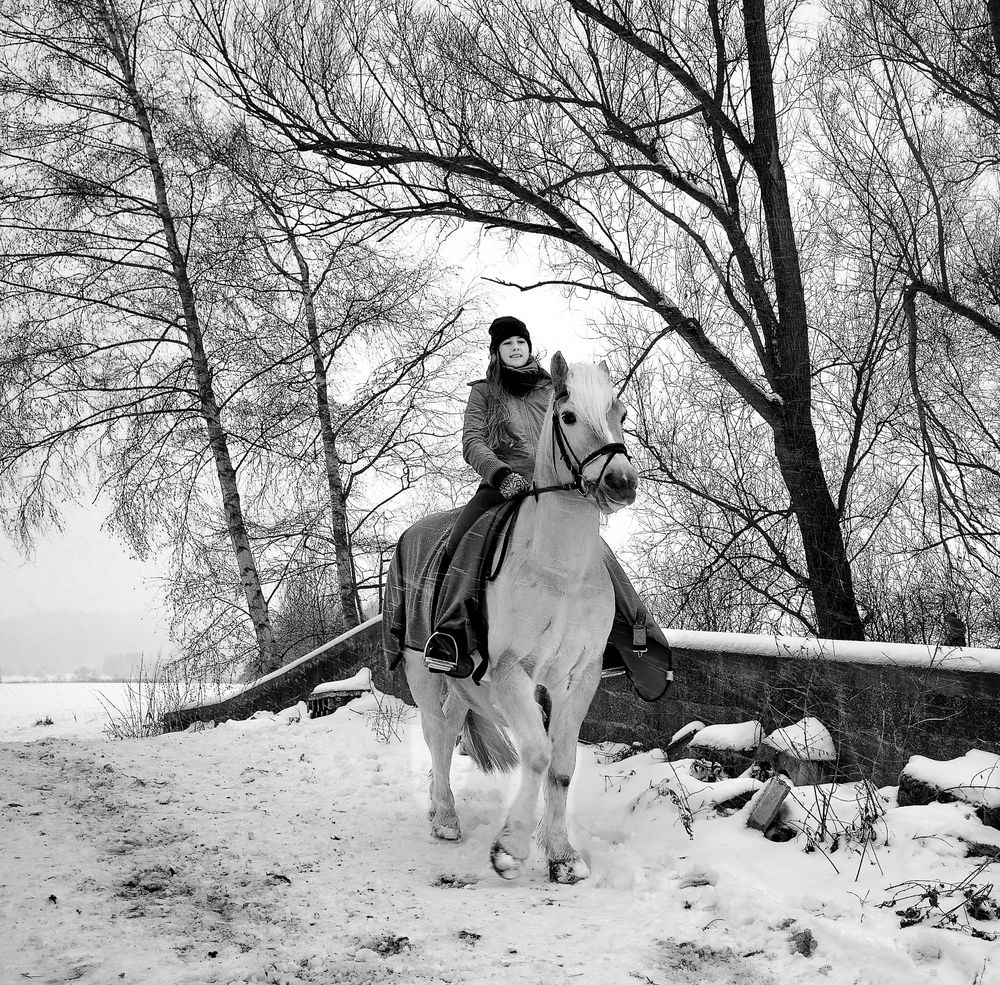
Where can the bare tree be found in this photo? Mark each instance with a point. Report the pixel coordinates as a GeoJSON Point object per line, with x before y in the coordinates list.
{"type": "Point", "coordinates": [605, 128]}
{"type": "Point", "coordinates": [345, 292]}
{"type": "Point", "coordinates": [910, 120]}
{"type": "Point", "coordinates": [96, 251]}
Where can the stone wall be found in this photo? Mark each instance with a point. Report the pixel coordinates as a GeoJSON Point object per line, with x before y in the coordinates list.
{"type": "Point", "coordinates": [337, 660]}
{"type": "Point", "coordinates": [879, 712]}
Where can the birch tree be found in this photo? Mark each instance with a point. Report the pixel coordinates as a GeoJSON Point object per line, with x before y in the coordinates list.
{"type": "Point", "coordinates": [389, 324]}
{"type": "Point", "coordinates": [97, 234]}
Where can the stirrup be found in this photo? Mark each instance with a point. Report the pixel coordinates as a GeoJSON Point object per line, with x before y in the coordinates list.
{"type": "Point", "coordinates": [441, 655]}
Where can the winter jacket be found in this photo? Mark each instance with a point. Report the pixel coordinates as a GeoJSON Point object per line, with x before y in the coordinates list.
{"type": "Point", "coordinates": [517, 452]}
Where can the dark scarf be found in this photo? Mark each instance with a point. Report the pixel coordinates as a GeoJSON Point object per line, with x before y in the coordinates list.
{"type": "Point", "coordinates": [522, 380]}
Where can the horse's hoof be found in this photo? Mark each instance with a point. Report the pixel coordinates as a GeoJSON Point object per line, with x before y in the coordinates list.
{"type": "Point", "coordinates": [446, 832]}
{"type": "Point", "coordinates": [568, 870]}
{"type": "Point", "coordinates": [504, 864]}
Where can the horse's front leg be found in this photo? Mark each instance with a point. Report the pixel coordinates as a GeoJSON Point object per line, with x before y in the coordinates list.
{"type": "Point", "coordinates": [441, 721]}
{"type": "Point", "coordinates": [515, 697]}
{"type": "Point", "coordinates": [568, 712]}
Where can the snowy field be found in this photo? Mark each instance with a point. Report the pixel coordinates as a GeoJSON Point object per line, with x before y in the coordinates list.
{"type": "Point", "coordinates": [300, 853]}
{"type": "Point", "coordinates": [75, 709]}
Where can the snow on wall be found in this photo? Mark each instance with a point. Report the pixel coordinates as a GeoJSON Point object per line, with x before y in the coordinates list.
{"type": "Point", "coordinates": [281, 671]}
{"type": "Point", "coordinates": [968, 658]}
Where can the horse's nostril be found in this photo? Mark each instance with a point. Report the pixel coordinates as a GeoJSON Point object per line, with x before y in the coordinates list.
{"type": "Point", "coordinates": [621, 485]}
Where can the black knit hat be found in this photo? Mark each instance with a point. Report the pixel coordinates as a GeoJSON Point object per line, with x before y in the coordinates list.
{"type": "Point", "coordinates": [506, 327]}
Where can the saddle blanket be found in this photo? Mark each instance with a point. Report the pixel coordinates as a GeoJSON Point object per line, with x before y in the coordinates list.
{"type": "Point", "coordinates": [419, 596]}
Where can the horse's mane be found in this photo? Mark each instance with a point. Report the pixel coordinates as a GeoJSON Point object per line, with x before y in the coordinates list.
{"type": "Point", "coordinates": [592, 398]}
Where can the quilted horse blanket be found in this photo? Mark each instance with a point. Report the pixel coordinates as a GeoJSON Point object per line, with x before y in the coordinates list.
{"type": "Point", "coordinates": [420, 596]}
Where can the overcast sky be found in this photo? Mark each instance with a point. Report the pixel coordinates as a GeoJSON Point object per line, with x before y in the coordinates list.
{"type": "Point", "coordinates": [80, 569]}
{"type": "Point", "coordinates": [84, 569]}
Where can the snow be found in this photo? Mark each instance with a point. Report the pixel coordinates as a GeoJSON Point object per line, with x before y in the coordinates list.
{"type": "Point", "coordinates": [361, 681]}
{"type": "Point", "coordinates": [74, 708]}
{"type": "Point", "coordinates": [299, 852]}
{"type": "Point", "coordinates": [737, 736]}
{"type": "Point", "coordinates": [685, 733]}
{"type": "Point", "coordinates": [968, 659]}
{"type": "Point", "coordinates": [808, 739]}
{"type": "Point", "coordinates": [974, 777]}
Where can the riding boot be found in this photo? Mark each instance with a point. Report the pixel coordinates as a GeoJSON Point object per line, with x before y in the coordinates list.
{"type": "Point", "coordinates": [453, 647]}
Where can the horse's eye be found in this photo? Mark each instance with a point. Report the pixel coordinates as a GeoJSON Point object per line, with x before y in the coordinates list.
{"type": "Point", "coordinates": [568, 417]}
{"type": "Point", "coordinates": [624, 414]}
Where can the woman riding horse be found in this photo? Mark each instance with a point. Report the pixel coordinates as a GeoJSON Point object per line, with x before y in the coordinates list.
{"type": "Point", "coordinates": [550, 606]}
{"type": "Point", "coordinates": [503, 420]}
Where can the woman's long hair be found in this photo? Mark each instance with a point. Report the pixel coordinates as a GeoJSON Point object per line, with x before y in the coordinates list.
{"type": "Point", "coordinates": [500, 383]}
{"type": "Point", "coordinates": [497, 412]}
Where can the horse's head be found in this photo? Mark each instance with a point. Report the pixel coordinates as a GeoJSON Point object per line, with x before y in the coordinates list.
{"type": "Point", "coordinates": [587, 433]}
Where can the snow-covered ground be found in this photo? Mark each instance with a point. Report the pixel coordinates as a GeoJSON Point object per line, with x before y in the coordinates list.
{"type": "Point", "coordinates": [269, 852]}
{"type": "Point", "coordinates": [75, 709]}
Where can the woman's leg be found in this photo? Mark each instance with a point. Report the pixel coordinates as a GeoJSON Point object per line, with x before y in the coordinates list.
{"type": "Point", "coordinates": [450, 644]}
{"type": "Point", "coordinates": [485, 497]}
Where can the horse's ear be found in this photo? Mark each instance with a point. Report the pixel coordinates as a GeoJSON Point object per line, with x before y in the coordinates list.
{"type": "Point", "coordinates": [603, 367]}
{"type": "Point", "coordinates": [559, 370]}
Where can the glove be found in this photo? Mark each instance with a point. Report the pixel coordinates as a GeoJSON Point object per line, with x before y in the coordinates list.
{"type": "Point", "coordinates": [514, 485]}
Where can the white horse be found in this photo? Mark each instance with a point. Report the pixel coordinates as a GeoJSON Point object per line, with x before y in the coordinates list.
{"type": "Point", "coordinates": [550, 611]}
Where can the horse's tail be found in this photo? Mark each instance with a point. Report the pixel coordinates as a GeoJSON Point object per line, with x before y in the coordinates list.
{"type": "Point", "coordinates": [488, 744]}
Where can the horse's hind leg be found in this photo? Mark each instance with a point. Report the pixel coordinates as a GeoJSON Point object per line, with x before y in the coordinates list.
{"type": "Point", "coordinates": [441, 721]}
{"type": "Point", "coordinates": [516, 700]}
{"type": "Point", "coordinates": [565, 863]}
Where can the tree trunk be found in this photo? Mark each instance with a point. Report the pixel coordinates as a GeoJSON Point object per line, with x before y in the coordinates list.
{"type": "Point", "coordinates": [830, 581]}
{"type": "Point", "coordinates": [208, 403]}
{"type": "Point", "coordinates": [349, 602]}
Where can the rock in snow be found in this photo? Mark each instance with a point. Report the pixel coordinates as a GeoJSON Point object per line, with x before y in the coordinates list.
{"type": "Point", "coordinates": [803, 751]}
{"type": "Point", "coordinates": [808, 740]}
{"type": "Point", "coordinates": [739, 736]}
{"type": "Point", "coordinates": [972, 779]}
{"type": "Point", "coordinates": [361, 681]}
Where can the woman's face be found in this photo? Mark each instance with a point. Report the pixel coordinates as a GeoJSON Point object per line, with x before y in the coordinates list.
{"type": "Point", "coordinates": [514, 352]}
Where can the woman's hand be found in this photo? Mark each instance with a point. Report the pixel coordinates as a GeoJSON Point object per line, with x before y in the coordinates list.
{"type": "Point", "coordinates": [514, 485]}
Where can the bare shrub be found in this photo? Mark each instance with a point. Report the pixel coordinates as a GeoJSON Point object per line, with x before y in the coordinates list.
{"type": "Point", "coordinates": [149, 694]}
{"type": "Point", "coordinates": [950, 906]}
{"type": "Point", "coordinates": [387, 718]}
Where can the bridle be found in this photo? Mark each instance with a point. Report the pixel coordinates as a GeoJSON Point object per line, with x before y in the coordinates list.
{"type": "Point", "coordinates": [580, 483]}
{"type": "Point", "coordinates": [583, 485]}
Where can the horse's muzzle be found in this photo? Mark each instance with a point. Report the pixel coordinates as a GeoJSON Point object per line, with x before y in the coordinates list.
{"type": "Point", "coordinates": [619, 485]}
